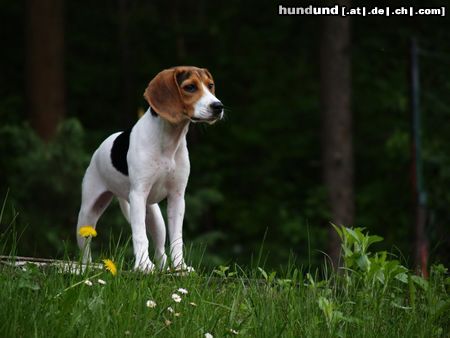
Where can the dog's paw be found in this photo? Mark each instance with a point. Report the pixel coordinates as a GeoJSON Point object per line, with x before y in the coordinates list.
{"type": "Point", "coordinates": [188, 268]}
{"type": "Point", "coordinates": [183, 269]}
{"type": "Point", "coordinates": [145, 267]}
{"type": "Point", "coordinates": [161, 262]}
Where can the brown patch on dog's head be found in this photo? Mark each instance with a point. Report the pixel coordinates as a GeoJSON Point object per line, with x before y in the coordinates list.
{"type": "Point", "coordinates": [174, 92]}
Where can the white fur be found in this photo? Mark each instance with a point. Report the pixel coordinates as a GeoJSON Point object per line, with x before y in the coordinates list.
{"type": "Point", "coordinates": [158, 165]}
{"type": "Point", "coordinates": [202, 110]}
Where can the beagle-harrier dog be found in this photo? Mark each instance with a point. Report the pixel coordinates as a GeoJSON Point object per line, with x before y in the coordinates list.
{"type": "Point", "coordinates": [150, 162]}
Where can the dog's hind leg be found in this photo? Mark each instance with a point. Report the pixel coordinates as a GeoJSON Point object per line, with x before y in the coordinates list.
{"type": "Point", "coordinates": [154, 223]}
{"type": "Point", "coordinates": [95, 199]}
{"type": "Point", "coordinates": [125, 207]}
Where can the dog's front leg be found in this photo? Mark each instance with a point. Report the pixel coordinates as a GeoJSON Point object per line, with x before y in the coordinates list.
{"type": "Point", "coordinates": [138, 201]}
{"type": "Point", "coordinates": [175, 215]}
{"type": "Point", "coordinates": [157, 229]}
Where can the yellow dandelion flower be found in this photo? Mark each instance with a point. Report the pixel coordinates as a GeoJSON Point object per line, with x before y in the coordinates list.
{"type": "Point", "coordinates": [110, 266]}
{"type": "Point", "coordinates": [87, 231]}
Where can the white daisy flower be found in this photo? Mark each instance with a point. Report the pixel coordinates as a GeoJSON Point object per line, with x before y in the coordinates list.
{"type": "Point", "coordinates": [167, 322]}
{"type": "Point", "coordinates": [150, 303]}
{"type": "Point", "coordinates": [183, 291]}
{"type": "Point", "coordinates": [170, 309]}
{"type": "Point", "coordinates": [193, 304]}
{"type": "Point", "coordinates": [234, 331]}
{"type": "Point", "coordinates": [176, 298]}
{"type": "Point", "coordinates": [208, 335]}
{"type": "Point", "coordinates": [101, 281]}
{"type": "Point", "coordinates": [88, 282]}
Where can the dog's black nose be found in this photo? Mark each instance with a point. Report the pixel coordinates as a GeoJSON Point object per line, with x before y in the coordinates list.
{"type": "Point", "coordinates": [216, 107]}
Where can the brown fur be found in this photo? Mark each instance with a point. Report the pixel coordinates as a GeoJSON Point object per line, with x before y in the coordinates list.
{"type": "Point", "coordinates": [165, 93]}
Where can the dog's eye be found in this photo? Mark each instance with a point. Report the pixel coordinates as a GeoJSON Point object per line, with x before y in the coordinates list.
{"type": "Point", "coordinates": [190, 88]}
{"type": "Point", "coordinates": [211, 86]}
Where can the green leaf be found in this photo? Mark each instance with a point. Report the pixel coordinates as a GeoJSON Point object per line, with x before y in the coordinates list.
{"type": "Point", "coordinates": [353, 234]}
{"type": "Point", "coordinates": [272, 276]}
{"type": "Point", "coordinates": [374, 239]}
{"type": "Point", "coordinates": [26, 284]}
{"type": "Point", "coordinates": [263, 273]}
{"type": "Point", "coordinates": [402, 277]}
{"type": "Point", "coordinates": [95, 304]}
{"type": "Point", "coordinates": [439, 269]}
{"type": "Point", "coordinates": [310, 279]}
{"type": "Point", "coordinates": [379, 275]}
{"type": "Point", "coordinates": [398, 306]}
{"type": "Point", "coordinates": [442, 308]}
{"type": "Point", "coordinates": [325, 305]}
{"type": "Point", "coordinates": [423, 283]}
{"type": "Point", "coordinates": [363, 262]}
{"type": "Point", "coordinates": [339, 231]}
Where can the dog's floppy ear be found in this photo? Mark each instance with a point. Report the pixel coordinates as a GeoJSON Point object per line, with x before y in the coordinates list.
{"type": "Point", "coordinates": [164, 96]}
{"type": "Point", "coordinates": [207, 72]}
{"type": "Point", "coordinates": [209, 76]}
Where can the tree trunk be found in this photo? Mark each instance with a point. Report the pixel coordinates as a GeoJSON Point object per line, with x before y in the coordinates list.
{"type": "Point", "coordinates": [337, 151]}
{"type": "Point", "coordinates": [45, 65]}
{"type": "Point", "coordinates": [419, 194]}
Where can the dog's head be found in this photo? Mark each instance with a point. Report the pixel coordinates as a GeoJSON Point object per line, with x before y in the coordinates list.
{"type": "Point", "coordinates": [184, 93]}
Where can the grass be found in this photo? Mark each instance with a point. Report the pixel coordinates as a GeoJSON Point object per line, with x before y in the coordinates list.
{"type": "Point", "coordinates": [373, 296]}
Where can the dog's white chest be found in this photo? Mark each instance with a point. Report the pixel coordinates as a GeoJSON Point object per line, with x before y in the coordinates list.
{"type": "Point", "coordinates": [163, 179]}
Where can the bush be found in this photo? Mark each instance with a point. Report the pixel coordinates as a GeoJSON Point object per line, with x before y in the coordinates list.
{"type": "Point", "coordinates": [44, 180]}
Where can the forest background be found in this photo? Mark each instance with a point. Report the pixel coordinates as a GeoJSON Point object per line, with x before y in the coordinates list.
{"type": "Point", "coordinates": [298, 89]}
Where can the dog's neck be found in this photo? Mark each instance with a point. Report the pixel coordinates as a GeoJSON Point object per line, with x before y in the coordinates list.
{"type": "Point", "coordinates": [169, 136]}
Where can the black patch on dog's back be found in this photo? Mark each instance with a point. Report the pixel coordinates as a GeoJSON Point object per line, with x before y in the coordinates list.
{"type": "Point", "coordinates": [119, 152]}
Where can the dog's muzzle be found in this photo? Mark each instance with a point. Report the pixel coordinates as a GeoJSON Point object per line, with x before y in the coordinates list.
{"type": "Point", "coordinates": [216, 108]}
{"type": "Point", "coordinates": [215, 112]}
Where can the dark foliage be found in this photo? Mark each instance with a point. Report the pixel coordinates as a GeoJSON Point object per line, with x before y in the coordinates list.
{"type": "Point", "coordinates": [259, 170]}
